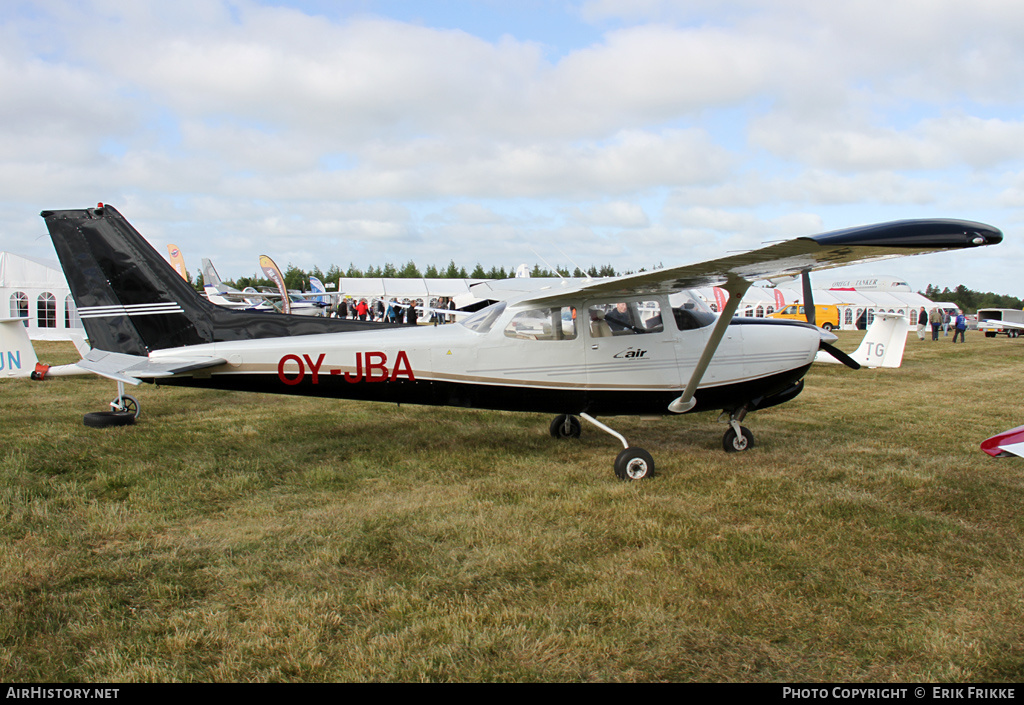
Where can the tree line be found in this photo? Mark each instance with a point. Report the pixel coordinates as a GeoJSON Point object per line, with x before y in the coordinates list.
{"type": "Point", "coordinates": [970, 301]}
{"type": "Point", "coordinates": [296, 278]}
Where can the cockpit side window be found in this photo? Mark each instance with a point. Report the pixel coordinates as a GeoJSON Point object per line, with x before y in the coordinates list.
{"type": "Point", "coordinates": [625, 318]}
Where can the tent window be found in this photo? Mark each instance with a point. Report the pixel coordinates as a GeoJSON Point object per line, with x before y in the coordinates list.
{"type": "Point", "coordinates": [46, 311]}
{"type": "Point", "coordinates": [19, 305]}
{"type": "Point", "coordinates": [71, 319]}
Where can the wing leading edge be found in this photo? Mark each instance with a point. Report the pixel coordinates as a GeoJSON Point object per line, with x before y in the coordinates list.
{"type": "Point", "coordinates": [838, 248]}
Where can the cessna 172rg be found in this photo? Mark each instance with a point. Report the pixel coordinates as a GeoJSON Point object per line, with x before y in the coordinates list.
{"type": "Point", "coordinates": [631, 345]}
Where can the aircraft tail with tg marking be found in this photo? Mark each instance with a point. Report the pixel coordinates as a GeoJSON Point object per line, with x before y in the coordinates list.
{"type": "Point", "coordinates": [132, 301]}
{"type": "Point", "coordinates": [882, 345]}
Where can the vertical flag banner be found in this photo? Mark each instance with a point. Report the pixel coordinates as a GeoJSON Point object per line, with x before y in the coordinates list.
{"type": "Point", "coordinates": [720, 298]}
{"type": "Point", "coordinates": [177, 261]}
{"type": "Point", "coordinates": [274, 275]}
{"type": "Point", "coordinates": [317, 285]}
{"type": "Point", "coordinates": [780, 300]}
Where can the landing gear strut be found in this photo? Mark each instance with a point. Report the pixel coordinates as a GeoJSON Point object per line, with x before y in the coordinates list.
{"type": "Point", "coordinates": [631, 463]}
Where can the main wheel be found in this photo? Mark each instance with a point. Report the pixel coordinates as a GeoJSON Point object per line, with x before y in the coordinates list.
{"type": "Point", "coordinates": [107, 419]}
{"type": "Point", "coordinates": [127, 403]}
{"type": "Point", "coordinates": [566, 426]}
{"type": "Point", "coordinates": [735, 444]}
{"type": "Point", "coordinates": [634, 464]}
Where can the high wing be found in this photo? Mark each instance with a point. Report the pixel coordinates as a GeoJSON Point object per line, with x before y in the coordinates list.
{"type": "Point", "coordinates": [794, 257]}
{"type": "Point", "coordinates": [799, 256]}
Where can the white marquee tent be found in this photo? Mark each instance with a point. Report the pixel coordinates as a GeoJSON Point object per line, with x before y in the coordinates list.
{"type": "Point", "coordinates": [38, 292]}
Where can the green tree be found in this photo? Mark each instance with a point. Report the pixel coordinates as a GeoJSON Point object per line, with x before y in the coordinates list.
{"type": "Point", "coordinates": [409, 271]}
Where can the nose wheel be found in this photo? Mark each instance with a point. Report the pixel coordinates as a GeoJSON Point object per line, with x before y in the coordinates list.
{"type": "Point", "coordinates": [737, 441]}
{"type": "Point", "coordinates": [738, 438]}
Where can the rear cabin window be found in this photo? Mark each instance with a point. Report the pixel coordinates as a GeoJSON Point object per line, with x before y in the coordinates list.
{"type": "Point", "coordinates": [543, 324]}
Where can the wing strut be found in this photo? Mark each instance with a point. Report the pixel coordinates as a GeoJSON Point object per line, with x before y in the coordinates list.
{"type": "Point", "coordinates": [736, 287]}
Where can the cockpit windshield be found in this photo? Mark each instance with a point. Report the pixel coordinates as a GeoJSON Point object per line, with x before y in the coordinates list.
{"type": "Point", "coordinates": [482, 320]}
{"type": "Point", "coordinates": [690, 311]}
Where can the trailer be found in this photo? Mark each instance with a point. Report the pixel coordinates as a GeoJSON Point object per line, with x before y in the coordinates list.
{"type": "Point", "coordinates": [1000, 320]}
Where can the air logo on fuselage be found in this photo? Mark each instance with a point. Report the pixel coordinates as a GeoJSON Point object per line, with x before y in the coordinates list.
{"type": "Point", "coordinates": [630, 354]}
{"type": "Point", "coordinates": [370, 367]}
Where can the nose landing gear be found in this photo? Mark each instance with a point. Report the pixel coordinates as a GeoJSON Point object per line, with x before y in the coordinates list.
{"type": "Point", "coordinates": [738, 438]}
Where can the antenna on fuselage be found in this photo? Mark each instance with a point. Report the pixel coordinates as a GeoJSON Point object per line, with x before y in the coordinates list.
{"type": "Point", "coordinates": [548, 264]}
{"type": "Point", "coordinates": [589, 278]}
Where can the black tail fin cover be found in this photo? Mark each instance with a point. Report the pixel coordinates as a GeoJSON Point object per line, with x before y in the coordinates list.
{"type": "Point", "coordinates": [131, 301]}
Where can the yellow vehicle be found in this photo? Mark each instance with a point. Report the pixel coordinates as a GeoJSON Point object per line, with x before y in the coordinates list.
{"type": "Point", "coordinates": [826, 317]}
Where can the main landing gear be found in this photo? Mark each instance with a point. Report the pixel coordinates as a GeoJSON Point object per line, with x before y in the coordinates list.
{"type": "Point", "coordinates": [630, 464]}
{"type": "Point", "coordinates": [636, 463]}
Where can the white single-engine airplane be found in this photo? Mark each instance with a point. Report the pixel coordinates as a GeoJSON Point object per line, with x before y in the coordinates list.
{"type": "Point", "coordinates": [631, 345]}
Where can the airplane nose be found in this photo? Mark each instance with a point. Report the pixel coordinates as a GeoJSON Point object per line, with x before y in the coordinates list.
{"type": "Point", "coordinates": [827, 337]}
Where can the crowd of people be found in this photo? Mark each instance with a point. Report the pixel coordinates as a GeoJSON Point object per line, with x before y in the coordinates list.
{"type": "Point", "coordinates": [407, 311]}
{"type": "Point", "coordinates": [942, 319]}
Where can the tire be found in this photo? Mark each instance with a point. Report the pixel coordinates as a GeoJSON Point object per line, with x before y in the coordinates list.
{"type": "Point", "coordinates": [827, 327]}
{"type": "Point", "coordinates": [108, 419]}
{"type": "Point", "coordinates": [732, 443]}
{"type": "Point", "coordinates": [559, 427]}
{"type": "Point", "coordinates": [634, 464]}
{"type": "Point", "coordinates": [128, 403]}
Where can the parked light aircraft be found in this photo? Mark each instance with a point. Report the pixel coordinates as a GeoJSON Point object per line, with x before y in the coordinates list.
{"type": "Point", "coordinates": [1006, 444]}
{"type": "Point", "coordinates": [578, 350]}
{"type": "Point", "coordinates": [250, 299]}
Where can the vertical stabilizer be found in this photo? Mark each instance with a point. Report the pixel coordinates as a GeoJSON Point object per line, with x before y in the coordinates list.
{"type": "Point", "coordinates": [17, 356]}
{"type": "Point", "coordinates": [884, 342]}
{"type": "Point", "coordinates": [131, 300]}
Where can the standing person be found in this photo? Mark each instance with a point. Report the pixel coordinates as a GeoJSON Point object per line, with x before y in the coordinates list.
{"type": "Point", "coordinates": [410, 313]}
{"type": "Point", "coordinates": [945, 323]}
{"type": "Point", "coordinates": [935, 319]}
{"type": "Point", "coordinates": [362, 309]}
{"type": "Point", "coordinates": [378, 310]}
{"type": "Point", "coordinates": [451, 307]}
{"type": "Point", "coordinates": [960, 327]}
{"type": "Point", "coordinates": [343, 308]}
{"type": "Point", "coordinates": [922, 321]}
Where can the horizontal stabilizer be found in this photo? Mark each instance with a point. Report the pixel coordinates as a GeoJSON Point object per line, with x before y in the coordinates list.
{"type": "Point", "coordinates": [132, 369]}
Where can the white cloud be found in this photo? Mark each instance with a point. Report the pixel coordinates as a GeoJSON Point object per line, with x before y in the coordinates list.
{"type": "Point", "coordinates": [364, 135]}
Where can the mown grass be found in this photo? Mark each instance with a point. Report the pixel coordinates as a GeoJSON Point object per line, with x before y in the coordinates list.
{"type": "Point", "coordinates": [233, 537]}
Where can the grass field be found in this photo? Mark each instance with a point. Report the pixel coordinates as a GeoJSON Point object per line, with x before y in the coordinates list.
{"type": "Point", "coordinates": [233, 537]}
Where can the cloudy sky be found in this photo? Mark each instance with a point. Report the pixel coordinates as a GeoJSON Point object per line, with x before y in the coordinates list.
{"type": "Point", "coordinates": [623, 132]}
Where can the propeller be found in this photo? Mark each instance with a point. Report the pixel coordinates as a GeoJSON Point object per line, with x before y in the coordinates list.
{"type": "Point", "coordinates": [839, 355]}
{"type": "Point", "coordinates": [808, 297]}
